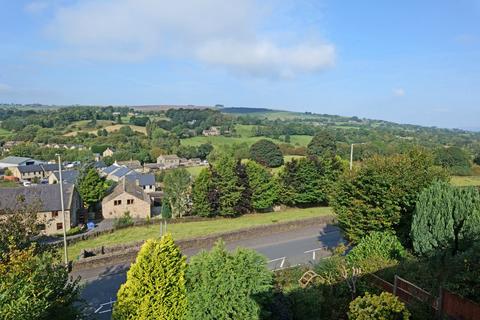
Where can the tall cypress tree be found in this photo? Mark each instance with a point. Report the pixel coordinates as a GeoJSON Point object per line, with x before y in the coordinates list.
{"type": "Point", "coordinates": [200, 194]}
{"type": "Point", "coordinates": [155, 286]}
{"type": "Point", "coordinates": [446, 218]}
{"type": "Point", "coordinates": [227, 184]}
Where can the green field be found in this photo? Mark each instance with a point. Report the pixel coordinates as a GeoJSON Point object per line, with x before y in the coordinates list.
{"type": "Point", "coordinates": [465, 181]}
{"type": "Point", "coordinates": [197, 229]}
{"type": "Point", "coordinates": [4, 133]}
{"type": "Point", "coordinates": [195, 171]}
{"type": "Point", "coordinates": [220, 141]}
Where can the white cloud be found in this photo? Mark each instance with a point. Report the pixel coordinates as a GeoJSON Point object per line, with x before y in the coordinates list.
{"type": "Point", "coordinates": [398, 92]}
{"type": "Point", "coordinates": [216, 32]}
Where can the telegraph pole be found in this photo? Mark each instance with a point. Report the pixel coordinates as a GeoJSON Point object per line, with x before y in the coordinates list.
{"type": "Point", "coordinates": [63, 211]}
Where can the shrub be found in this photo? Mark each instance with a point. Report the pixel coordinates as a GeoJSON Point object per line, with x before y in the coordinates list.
{"type": "Point", "coordinates": [377, 244]}
{"type": "Point", "coordinates": [224, 285]}
{"type": "Point", "coordinates": [166, 211]}
{"type": "Point", "coordinates": [155, 286]}
{"type": "Point", "coordinates": [266, 153]}
{"type": "Point", "coordinates": [446, 218]}
{"type": "Point", "coordinates": [381, 195]}
{"type": "Point", "coordinates": [382, 307]}
{"type": "Point", "coordinates": [323, 144]}
{"type": "Point", "coordinates": [75, 230]}
{"type": "Point", "coordinates": [123, 222]}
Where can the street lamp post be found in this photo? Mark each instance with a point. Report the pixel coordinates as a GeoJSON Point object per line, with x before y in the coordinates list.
{"type": "Point", "coordinates": [351, 153]}
{"type": "Point", "coordinates": [63, 211]}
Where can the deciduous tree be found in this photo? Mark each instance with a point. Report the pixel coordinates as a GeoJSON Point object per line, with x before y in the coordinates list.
{"type": "Point", "coordinates": [178, 191]}
{"type": "Point", "coordinates": [267, 153]}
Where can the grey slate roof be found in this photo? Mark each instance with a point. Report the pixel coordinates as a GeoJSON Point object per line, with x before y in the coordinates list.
{"type": "Point", "coordinates": [143, 179]}
{"type": "Point", "coordinates": [15, 160]}
{"type": "Point", "coordinates": [68, 176]}
{"type": "Point", "coordinates": [120, 172]}
{"type": "Point", "coordinates": [38, 167]}
{"type": "Point", "coordinates": [110, 169]}
{"type": "Point", "coordinates": [99, 165]}
{"type": "Point", "coordinates": [46, 196]}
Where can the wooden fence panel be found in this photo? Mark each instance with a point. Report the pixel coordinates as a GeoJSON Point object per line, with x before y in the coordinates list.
{"type": "Point", "coordinates": [458, 307]}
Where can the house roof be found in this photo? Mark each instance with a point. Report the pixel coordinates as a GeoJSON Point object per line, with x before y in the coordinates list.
{"type": "Point", "coordinates": [99, 165]}
{"type": "Point", "coordinates": [68, 176]}
{"type": "Point", "coordinates": [38, 167]}
{"type": "Point", "coordinates": [132, 164]}
{"type": "Point", "coordinates": [127, 186]}
{"type": "Point", "coordinates": [169, 157]}
{"type": "Point", "coordinates": [143, 179]}
{"type": "Point", "coordinates": [120, 172]}
{"type": "Point", "coordinates": [15, 160]}
{"type": "Point", "coordinates": [45, 196]}
{"type": "Point", "coordinates": [110, 169]}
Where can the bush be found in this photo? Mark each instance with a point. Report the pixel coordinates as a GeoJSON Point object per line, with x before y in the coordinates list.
{"type": "Point", "coordinates": [224, 285]}
{"type": "Point", "coordinates": [379, 245]}
{"type": "Point", "coordinates": [75, 230]}
{"type": "Point", "coordinates": [382, 307]}
{"type": "Point", "coordinates": [166, 211]}
{"type": "Point", "coordinates": [155, 286]}
{"type": "Point", "coordinates": [266, 153]}
{"type": "Point", "coordinates": [123, 222]}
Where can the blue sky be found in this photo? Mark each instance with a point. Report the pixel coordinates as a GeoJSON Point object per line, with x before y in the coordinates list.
{"type": "Point", "coordinates": [404, 61]}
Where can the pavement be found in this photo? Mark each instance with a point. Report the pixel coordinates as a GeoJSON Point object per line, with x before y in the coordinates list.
{"type": "Point", "coordinates": [283, 250]}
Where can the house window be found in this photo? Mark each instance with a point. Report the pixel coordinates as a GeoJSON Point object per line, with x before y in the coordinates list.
{"type": "Point", "coordinates": [41, 227]}
{"type": "Point", "coordinates": [129, 201]}
{"type": "Point", "coordinates": [59, 226]}
{"type": "Point", "coordinates": [117, 202]}
{"type": "Point", "coordinates": [54, 214]}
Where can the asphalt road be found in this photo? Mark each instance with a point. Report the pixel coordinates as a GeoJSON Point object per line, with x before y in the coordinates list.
{"type": "Point", "coordinates": [301, 246]}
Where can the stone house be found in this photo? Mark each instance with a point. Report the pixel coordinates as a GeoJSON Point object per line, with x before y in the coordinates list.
{"type": "Point", "coordinates": [34, 171]}
{"type": "Point", "coordinates": [68, 176]}
{"type": "Point", "coordinates": [169, 161]}
{"type": "Point", "coordinates": [127, 196]}
{"type": "Point", "coordinates": [108, 152]}
{"type": "Point", "coordinates": [45, 201]}
{"type": "Point", "coordinates": [12, 161]}
{"type": "Point", "coordinates": [213, 131]}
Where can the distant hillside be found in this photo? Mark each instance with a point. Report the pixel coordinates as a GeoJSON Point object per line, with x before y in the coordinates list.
{"type": "Point", "coordinates": [242, 110]}
{"type": "Point", "coordinates": [164, 107]}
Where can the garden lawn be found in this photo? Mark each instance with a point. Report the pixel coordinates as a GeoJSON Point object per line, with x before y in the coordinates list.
{"type": "Point", "coordinates": [465, 181]}
{"type": "Point", "coordinates": [195, 171]}
{"type": "Point", "coordinates": [197, 229]}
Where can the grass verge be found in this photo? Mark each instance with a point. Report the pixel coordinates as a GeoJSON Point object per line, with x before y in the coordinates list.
{"type": "Point", "coordinates": [465, 181]}
{"type": "Point", "coordinates": [198, 229]}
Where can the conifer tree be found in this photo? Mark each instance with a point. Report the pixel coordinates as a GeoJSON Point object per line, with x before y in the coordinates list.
{"type": "Point", "coordinates": [228, 184]}
{"type": "Point", "coordinates": [446, 218]}
{"type": "Point", "coordinates": [263, 186]}
{"type": "Point", "coordinates": [92, 187]}
{"type": "Point", "coordinates": [201, 189]}
{"type": "Point", "coordinates": [155, 286]}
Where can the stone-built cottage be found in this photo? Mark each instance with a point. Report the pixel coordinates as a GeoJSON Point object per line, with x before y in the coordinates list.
{"type": "Point", "coordinates": [127, 196]}
{"type": "Point", "coordinates": [44, 200]}
{"type": "Point", "coordinates": [213, 131]}
{"type": "Point", "coordinates": [68, 176]}
{"type": "Point", "coordinates": [11, 162]}
{"type": "Point", "coordinates": [34, 171]}
{"type": "Point", "coordinates": [108, 152]}
{"type": "Point", "coordinates": [169, 161]}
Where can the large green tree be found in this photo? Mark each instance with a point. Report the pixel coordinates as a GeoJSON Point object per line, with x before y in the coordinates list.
{"type": "Point", "coordinates": [381, 195]}
{"type": "Point", "coordinates": [35, 285]}
{"type": "Point", "coordinates": [177, 191]}
{"type": "Point", "coordinates": [225, 285]}
{"type": "Point", "coordinates": [202, 188]}
{"type": "Point", "coordinates": [227, 184]}
{"type": "Point", "coordinates": [309, 181]}
{"type": "Point", "coordinates": [446, 218]}
{"type": "Point", "coordinates": [264, 187]}
{"type": "Point", "coordinates": [323, 144]}
{"type": "Point", "coordinates": [267, 153]}
{"type": "Point", "coordinates": [454, 159]}
{"type": "Point", "coordinates": [155, 286]}
{"type": "Point", "coordinates": [92, 187]}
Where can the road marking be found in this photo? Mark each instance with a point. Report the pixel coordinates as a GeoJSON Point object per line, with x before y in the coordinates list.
{"type": "Point", "coordinates": [103, 305]}
{"type": "Point", "coordinates": [282, 259]}
{"type": "Point", "coordinates": [313, 251]}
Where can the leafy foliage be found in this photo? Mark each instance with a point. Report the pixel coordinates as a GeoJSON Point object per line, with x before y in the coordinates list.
{"type": "Point", "coordinates": [455, 159]}
{"type": "Point", "coordinates": [263, 185]}
{"type": "Point", "coordinates": [266, 153]}
{"type": "Point", "coordinates": [92, 187]}
{"type": "Point", "coordinates": [200, 194]}
{"type": "Point", "coordinates": [308, 181]}
{"type": "Point", "coordinates": [227, 184]}
{"type": "Point", "coordinates": [155, 286]}
{"type": "Point", "coordinates": [123, 222]}
{"type": "Point", "coordinates": [373, 307]}
{"type": "Point", "coordinates": [35, 286]}
{"type": "Point", "coordinates": [224, 285]}
{"type": "Point", "coordinates": [323, 144]}
{"type": "Point", "coordinates": [381, 195]}
{"type": "Point", "coordinates": [446, 218]}
{"type": "Point", "coordinates": [178, 191]}
{"type": "Point", "coordinates": [383, 245]}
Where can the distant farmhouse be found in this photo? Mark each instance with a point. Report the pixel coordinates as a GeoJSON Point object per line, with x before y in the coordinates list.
{"type": "Point", "coordinates": [108, 152]}
{"type": "Point", "coordinates": [45, 201]}
{"type": "Point", "coordinates": [169, 161]}
{"type": "Point", "coordinates": [213, 131]}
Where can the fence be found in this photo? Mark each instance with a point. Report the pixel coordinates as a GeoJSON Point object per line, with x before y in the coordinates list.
{"type": "Point", "coordinates": [447, 304]}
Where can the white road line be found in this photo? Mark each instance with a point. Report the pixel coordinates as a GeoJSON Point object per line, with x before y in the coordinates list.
{"type": "Point", "coordinates": [111, 302]}
{"type": "Point", "coordinates": [282, 259]}
{"type": "Point", "coordinates": [313, 251]}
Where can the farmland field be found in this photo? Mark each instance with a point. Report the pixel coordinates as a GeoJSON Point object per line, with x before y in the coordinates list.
{"type": "Point", "coordinates": [465, 181]}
